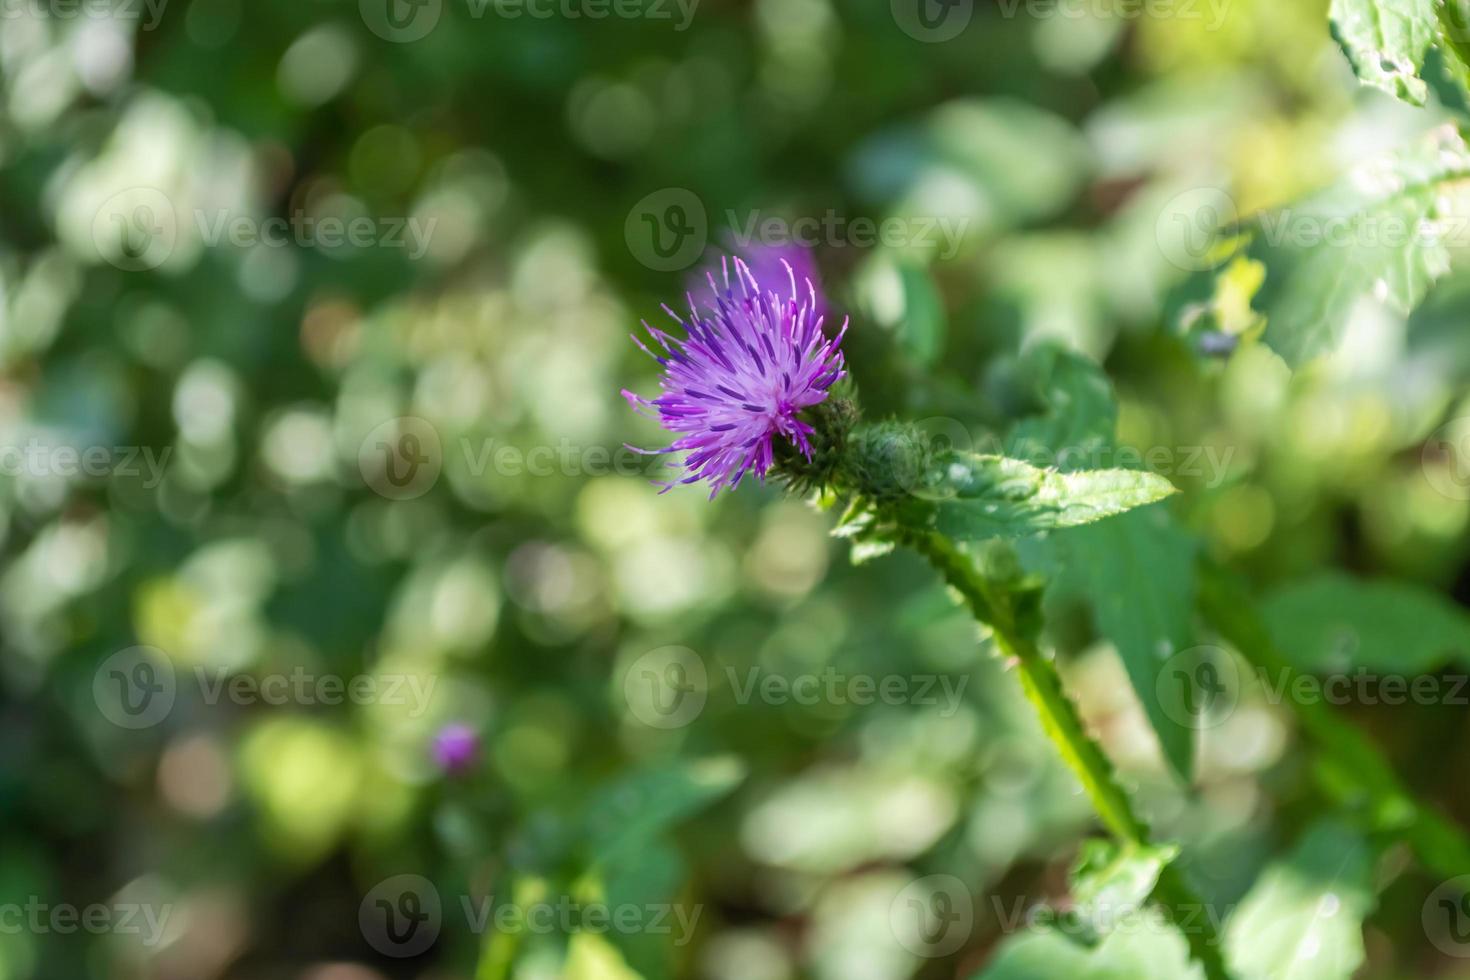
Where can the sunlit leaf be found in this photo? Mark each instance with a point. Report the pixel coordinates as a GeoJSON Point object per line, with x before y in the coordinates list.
{"type": "Point", "coordinates": [1303, 920]}
{"type": "Point", "coordinates": [1386, 41]}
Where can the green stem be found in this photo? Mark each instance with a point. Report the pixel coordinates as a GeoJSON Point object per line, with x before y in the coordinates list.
{"type": "Point", "coordinates": [1059, 718]}
{"type": "Point", "coordinates": [1354, 759]}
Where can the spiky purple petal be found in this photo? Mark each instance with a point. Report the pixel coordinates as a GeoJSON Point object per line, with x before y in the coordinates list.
{"type": "Point", "coordinates": [744, 370]}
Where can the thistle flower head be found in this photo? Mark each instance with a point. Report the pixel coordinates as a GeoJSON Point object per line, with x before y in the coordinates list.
{"type": "Point", "coordinates": [745, 369]}
{"type": "Point", "coordinates": [456, 747]}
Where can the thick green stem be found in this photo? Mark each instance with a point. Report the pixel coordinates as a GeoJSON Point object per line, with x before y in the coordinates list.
{"type": "Point", "coordinates": [1043, 687]}
{"type": "Point", "coordinates": [1355, 761]}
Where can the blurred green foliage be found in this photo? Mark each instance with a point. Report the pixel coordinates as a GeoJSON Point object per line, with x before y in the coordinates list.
{"type": "Point", "coordinates": [172, 298]}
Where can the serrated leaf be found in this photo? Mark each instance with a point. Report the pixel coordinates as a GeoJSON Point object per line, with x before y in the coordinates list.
{"type": "Point", "coordinates": [1386, 231]}
{"type": "Point", "coordinates": [1303, 920]}
{"type": "Point", "coordinates": [1112, 882]}
{"type": "Point", "coordinates": [1335, 623]}
{"type": "Point", "coordinates": [864, 551]}
{"type": "Point", "coordinates": [983, 496]}
{"type": "Point", "coordinates": [1386, 42]}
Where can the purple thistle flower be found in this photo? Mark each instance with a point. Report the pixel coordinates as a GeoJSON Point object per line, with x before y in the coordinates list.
{"type": "Point", "coordinates": [740, 376]}
{"type": "Point", "coordinates": [456, 747]}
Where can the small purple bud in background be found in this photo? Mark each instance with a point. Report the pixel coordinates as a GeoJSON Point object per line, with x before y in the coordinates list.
{"type": "Point", "coordinates": [456, 747]}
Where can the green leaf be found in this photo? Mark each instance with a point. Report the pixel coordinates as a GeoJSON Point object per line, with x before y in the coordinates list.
{"type": "Point", "coordinates": [1384, 232]}
{"type": "Point", "coordinates": [1332, 622]}
{"type": "Point", "coordinates": [1303, 920]}
{"type": "Point", "coordinates": [643, 879]}
{"type": "Point", "coordinates": [1149, 618]}
{"type": "Point", "coordinates": [1127, 954]}
{"type": "Point", "coordinates": [1112, 883]}
{"type": "Point", "coordinates": [899, 294]}
{"type": "Point", "coordinates": [921, 333]}
{"type": "Point", "coordinates": [982, 496]}
{"type": "Point", "coordinates": [1386, 41]}
{"type": "Point", "coordinates": [1153, 616]}
{"type": "Point", "coordinates": [593, 957]}
{"type": "Point", "coordinates": [1080, 414]}
{"type": "Point", "coordinates": [636, 810]}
